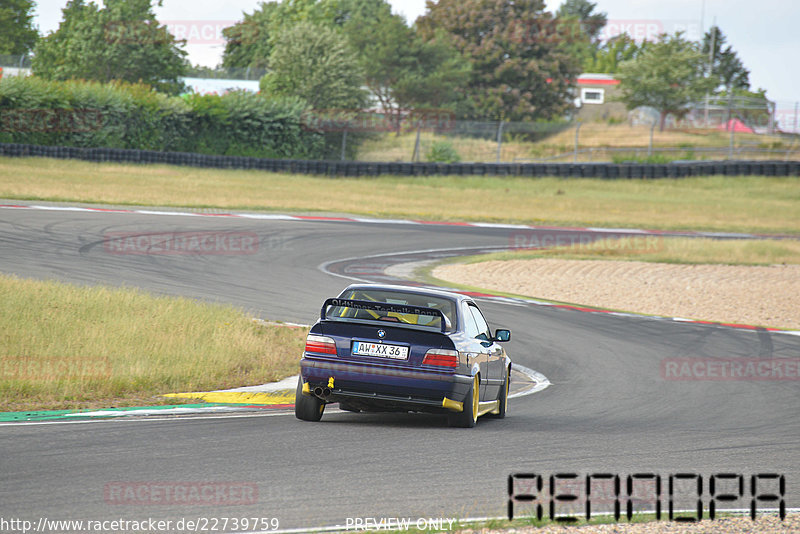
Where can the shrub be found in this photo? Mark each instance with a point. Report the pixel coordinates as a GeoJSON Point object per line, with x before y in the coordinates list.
{"type": "Point", "coordinates": [444, 152]}
{"type": "Point", "coordinates": [124, 115]}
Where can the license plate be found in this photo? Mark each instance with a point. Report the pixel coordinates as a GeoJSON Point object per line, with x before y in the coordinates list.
{"type": "Point", "coordinates": [381, 350]}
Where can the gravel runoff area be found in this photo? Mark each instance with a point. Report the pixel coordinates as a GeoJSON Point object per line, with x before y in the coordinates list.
{"type": "Point", "coordinates": [756, 295]}
{"type": "Point", "coordinates": [731, 525]}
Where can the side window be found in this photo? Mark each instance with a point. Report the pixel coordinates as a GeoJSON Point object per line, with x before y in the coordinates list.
{"type": "Point", "coordinates": [470, 326]}
{"type": "Point", "coordinates": [483, 328]}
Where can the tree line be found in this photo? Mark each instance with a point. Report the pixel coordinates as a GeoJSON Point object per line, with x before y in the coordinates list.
{"type": "Point", "coordinates": [509, 60]}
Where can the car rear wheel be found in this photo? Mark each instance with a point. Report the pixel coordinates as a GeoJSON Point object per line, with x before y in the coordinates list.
{"type": "Point", "coordinates": [307, 407]}
{"type": "Point", "coordinates": [503, 398]}
{"type": "Point", "coordinates": [469, 416]}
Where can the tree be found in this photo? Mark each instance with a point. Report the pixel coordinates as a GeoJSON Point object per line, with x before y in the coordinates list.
{"type": "Point", "coordinates": [607, 58]}
{"type": "Point", "coordinates": [316, 64]}
{"type": "Point", "coordinates": [122, 41]}
{"type": "Point", "coordinates": [247, 43]}
{"type": "Point", "coordinates": [591, 23]}
{"type": "Point", "coordinates": [402, 70]}
{"type": "Point", "coordinates": [17, 34]}
{"type": "Point", "coordinates": [668, 75]}
{"type": "Point", "coordinates": [725, 64]}
{"type": "Point", "coordinates": [521, 67]}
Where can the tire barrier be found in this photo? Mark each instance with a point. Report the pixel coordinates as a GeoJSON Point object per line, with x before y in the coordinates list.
{"type": "Point", "coordinates": [611, 171]}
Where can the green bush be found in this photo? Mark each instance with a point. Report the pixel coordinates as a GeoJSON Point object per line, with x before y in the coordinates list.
{"type": "Point", "coordinates": [444, 152]}
{"type": "Point", "coordinates": [124, 115]}
{"type": "Point", "coordinates": [660, 159]}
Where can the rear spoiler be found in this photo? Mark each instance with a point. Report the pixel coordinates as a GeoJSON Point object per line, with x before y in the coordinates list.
{"type": "Point", "coordinates": [384, 307]}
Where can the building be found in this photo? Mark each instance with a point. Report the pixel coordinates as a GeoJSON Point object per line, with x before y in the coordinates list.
{"type": "Point", "coordinates": [596, 98]}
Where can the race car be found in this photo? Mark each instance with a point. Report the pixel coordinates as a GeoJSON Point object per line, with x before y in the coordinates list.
{"type": "Point", "coordinates": [395, 348]}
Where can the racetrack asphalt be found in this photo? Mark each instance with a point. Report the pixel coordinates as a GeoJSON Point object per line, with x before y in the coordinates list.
{"type": "Point", "coordinates": [609, 408]}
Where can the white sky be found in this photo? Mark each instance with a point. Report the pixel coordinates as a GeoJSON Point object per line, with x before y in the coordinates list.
{"type": "Point", "coordinates": [765, 34]}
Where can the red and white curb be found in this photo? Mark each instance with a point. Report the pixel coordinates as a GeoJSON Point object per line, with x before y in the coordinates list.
{"type": "Point", "coordinates": [367, 220]}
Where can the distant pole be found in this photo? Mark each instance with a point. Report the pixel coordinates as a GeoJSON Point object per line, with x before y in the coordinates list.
{"type": "Point", "coordinates": [731, 124]}
{"type": "Point", "coordinates": [344, 143]}
{"type": "Point", "coordinates": [499, 140]}
{"type": "Point", "coordinates": [710, 57]}
{"type": "Point", "coordinates": [652, 129]}
{"type": "Point", "coordinates": [577, 130]}
{"type": "Point", "coordinates": [416, 156]}
{"type": "Point", "coordinates": [795, 117]}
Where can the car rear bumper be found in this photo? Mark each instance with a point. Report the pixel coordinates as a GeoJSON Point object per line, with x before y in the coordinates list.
{"type": "Point", "coordinates": [385, 387]}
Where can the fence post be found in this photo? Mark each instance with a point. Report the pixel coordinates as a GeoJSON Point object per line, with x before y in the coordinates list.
{"type": "Point", "coordinates": [577, 130]}
{"type": "Point", "coordinates": [731, 124]}
{"type": "Point", "coordinates": [795, 118]}
{"type": "Point", "coordinates": [415, 156]}
{"type": "Point", "coordinates": [499, 140]}
{"type": "Point", "coordinates": [650, 147]}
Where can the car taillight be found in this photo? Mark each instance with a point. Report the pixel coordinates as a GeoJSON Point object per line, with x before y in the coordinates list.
{"type": "Point", "coordinates": [320, 344]}
{"type": "Point", "coordinates": [441, 357]}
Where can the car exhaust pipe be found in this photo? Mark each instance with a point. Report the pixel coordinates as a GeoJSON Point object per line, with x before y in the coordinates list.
{"type": "Point", "coordinates": [322, 393]}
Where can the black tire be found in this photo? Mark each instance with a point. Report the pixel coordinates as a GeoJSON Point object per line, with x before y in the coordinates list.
{"type": "Point", "coordinates": [469, 416]}
{"type": "Point", "coordinates": [503, 398]}
{"type": "Point", "coordinates": [307, 407]}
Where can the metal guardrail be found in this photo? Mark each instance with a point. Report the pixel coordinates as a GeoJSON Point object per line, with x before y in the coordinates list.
{"type": "Point", "coordinates": [357, 168]}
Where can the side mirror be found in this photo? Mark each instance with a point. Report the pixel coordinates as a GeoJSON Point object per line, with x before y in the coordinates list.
{"type": "Point", "coordinates": [502, 335]}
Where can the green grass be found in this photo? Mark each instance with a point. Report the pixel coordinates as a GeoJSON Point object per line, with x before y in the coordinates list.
{"type": "Point", "coordinates": [64, 346]}
{"type": "Point", "coordinates": [663, 250]}
{"type": "Point", "coordinates": [746, 204]}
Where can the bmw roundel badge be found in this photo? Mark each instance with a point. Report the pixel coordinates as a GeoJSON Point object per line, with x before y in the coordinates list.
{"type": "Point", "coordinates": [381, 334]}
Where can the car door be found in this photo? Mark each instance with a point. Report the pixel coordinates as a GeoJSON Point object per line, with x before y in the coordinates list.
{"type": "Point", "coordinates": [495, 356]}
{"type": "Point", "coordinates": [478, 348]}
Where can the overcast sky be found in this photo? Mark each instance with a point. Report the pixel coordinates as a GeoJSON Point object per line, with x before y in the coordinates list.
{"type": "Point", "coordinates": [766, 34]}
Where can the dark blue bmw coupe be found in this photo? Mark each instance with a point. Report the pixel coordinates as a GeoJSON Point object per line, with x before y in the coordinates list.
{"type": "Point", "coordinates": [394, 348]}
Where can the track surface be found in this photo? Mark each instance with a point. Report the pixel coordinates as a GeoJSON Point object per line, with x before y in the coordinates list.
{"type": "Point", "coordinates": [608, 410]}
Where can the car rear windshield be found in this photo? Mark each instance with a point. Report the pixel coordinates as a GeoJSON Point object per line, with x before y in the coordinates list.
{"type": "Point", "coordinates": [446, 306]}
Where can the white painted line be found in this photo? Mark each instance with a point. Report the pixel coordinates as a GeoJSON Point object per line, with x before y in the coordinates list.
{"type": "Point", "coordinates": [162, 411]}
{"type": "Point", "coordinates": [368, 220]}
{"type": "Point", "coordinates": [470, 520]}
{"type": "Point", "coordinates": [500, 225]}
{"type": "Point", "coordinates": [267, 217]}
{"type": "Point", "coordinates": [618, 230]}
{"type": "Point", "coordinates": [201, 417]}
{"type": "Point", "coordinates": [384, 221]}
{"type": "Point", "coordinates": [541, 381]}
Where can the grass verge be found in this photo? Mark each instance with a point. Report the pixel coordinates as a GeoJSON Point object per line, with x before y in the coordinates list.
{"type": "Point", "coordinates": [663, 250]}
{"type": "Point", "coordinates": [742, 204]}
{"type": "Point", "coordinates": [64, 346]}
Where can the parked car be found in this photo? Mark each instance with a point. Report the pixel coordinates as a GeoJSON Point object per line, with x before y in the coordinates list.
{"type": "Point", "coordinates": [396, 348]}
